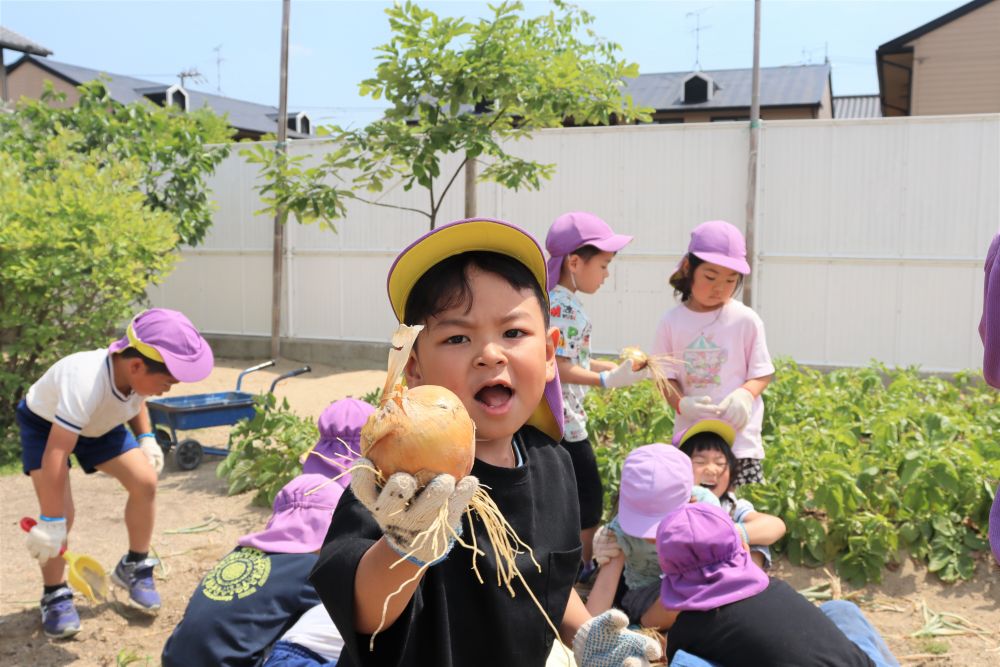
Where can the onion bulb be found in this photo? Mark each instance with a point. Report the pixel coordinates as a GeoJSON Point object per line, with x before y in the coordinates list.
{"type": "Point", "coordinates": [424, 431]}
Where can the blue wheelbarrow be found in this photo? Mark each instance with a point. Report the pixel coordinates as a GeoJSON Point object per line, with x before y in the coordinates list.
{"type": "Point", "coordinates": [185, 413]}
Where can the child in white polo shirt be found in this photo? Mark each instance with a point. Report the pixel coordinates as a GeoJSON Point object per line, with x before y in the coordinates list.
{"type": "Point", "coordinates": [79, 406]}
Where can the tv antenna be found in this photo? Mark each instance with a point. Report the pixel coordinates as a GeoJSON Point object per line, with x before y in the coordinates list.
{"type": "Point", "coordinates": [218, 67]}
{"type": "Point", "coordinates": [191, 73]}
{"type": "Point", "coordinates": [698, 27]}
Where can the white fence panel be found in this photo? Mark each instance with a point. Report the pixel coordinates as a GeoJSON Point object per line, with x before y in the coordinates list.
{"type": "Point", "coordinates": [871, 235]}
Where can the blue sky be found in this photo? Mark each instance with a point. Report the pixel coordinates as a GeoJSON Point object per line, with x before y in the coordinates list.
{"type": "Point", "coordinates": [332, 41]}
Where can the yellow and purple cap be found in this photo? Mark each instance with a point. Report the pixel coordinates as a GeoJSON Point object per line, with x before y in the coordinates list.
{"type": "Point", "coordinates": [723, 429]}
{"type": "Point", "coordinates": [167, 336]}
{"type": "Point", "coordinates": [470, 235]}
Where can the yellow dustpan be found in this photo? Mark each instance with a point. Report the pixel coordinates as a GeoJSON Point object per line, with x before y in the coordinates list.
{"type": "Point", "coordinates": [85, 574]}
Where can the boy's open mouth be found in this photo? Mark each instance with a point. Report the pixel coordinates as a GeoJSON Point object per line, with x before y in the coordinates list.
{"type": "Point", "coordinates": [710, 487]}
{"type": "Point", "coordinates": [494, 395]}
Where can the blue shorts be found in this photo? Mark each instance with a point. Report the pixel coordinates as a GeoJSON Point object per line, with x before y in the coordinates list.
{"type": "Point", "coordinates": [89, 452]}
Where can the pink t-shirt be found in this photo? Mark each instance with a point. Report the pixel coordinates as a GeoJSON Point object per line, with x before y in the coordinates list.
{"type": "Point", "coordinates": [717, 352]}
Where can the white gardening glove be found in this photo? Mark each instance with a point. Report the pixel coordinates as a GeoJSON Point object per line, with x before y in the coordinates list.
{"type": "Point", "coordinates": [736, 408]}
{"type": "Point", "coordinates": [622, 375]}
{"type": "Point", "coordinates": [45, 539]}
{"type": "Point", "coordinates": [405, 512]}
{"type": "Point", "coordinates": [603, 641]}
{"type": "Point", "coordinates": [698, 408]}
{"type": "Point", "coordinates": [153, 452]}
{"type": "Point", "coordinates": [605, 545]}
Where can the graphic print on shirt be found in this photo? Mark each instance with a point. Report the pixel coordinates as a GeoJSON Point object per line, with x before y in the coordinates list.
{"type": "Point", "coordinates": [703, 362]}
{"type": "Point", "coordinates": [238, 575]}
{"type": "Point", "coordinates": [572, 342]}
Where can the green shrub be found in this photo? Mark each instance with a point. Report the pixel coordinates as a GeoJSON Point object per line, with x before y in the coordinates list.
{"type": "Point", "coordinates": [79, 246]}
{"type": "Point", "coordinates": [861, 463]}
{"type": "Point", "coordinates": [264, 451]}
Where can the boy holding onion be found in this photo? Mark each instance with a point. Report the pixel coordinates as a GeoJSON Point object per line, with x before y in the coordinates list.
{"type": "Point", "coordinates": [477, 287]}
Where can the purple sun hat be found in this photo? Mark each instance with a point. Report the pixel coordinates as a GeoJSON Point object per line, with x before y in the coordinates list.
{"type": "Point", "coordinates": [718, 242]}
{"type": "Point", "coordinates": [571, 231]}
{"type": "Point", "coordinates": [478, 234]}
{"type": "Point", "coordinates": [655, 480]}
{"type": "Point", "coordinates": [704, 563]}
{"type": "Point", "coordinates": [302, 513]}
{"type": "Point", "coordinates": [169, 337]}
{"type": "Point", "coordinates": [339, 441]}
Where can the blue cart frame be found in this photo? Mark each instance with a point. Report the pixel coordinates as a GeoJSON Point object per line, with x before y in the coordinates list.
{"type": "Point", "coordinates": [185, 413]}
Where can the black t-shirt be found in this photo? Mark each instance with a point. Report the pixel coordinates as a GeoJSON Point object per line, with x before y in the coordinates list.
{"type": "Point", "coordinates": [777, 627]}
{"type": "Point", "coordinates": [241, 607]}
{"type": "Point", "coordinates": [452, 619]}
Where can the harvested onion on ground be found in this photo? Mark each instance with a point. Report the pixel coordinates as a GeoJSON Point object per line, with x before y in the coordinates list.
{"type": "Point", "coordinates": [657, 364]}
{"type": "Point", "coordinates": [426, 431]}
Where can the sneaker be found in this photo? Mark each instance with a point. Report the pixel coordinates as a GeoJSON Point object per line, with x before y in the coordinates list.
{"type": "Point", "coordinates": [137, 579]}
{"type": "Point", "coordinates": [59, 617]}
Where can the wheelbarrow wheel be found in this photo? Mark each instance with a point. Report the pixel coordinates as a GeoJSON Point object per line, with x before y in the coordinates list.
{"type": "Point", "coordinates": [188, 454]}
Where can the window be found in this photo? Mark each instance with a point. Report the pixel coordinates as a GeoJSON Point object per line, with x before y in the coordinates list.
{"type": "Point", "coordinates": [695, 90]}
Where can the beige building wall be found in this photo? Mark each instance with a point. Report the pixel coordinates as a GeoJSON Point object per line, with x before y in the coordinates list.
{"type": "Point", "coordinates": [956, 68]}
{"type": "Point", "coordinates": [826, 104]}
{"type": "Point", "coordinates": [28, 80]}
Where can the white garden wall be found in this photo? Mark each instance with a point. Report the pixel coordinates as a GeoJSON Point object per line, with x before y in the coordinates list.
{"type": "Point", "coordinates": [871, 236]}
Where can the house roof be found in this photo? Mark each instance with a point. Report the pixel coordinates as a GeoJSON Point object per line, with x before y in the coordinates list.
{"type": "Point", "coordinates": [857, 106]}
{"type": "Point", "coordinates": [901, 42]}
{"type": "Point", "coordinates": [15, 42]}
{"type": "Point", "coordinates": [249, 116]}
{"type": "Point", "coordinates": [798, 85]}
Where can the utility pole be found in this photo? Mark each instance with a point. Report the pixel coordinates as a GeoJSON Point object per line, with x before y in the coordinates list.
{"type": "Point", "coordinates": [470, 186]}
{"type": "Point", "coordinates": [278, 249]}
{"type": "Point", "coordinates": [751, 226]}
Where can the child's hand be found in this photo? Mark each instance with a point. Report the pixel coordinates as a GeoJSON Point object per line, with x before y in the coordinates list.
{"type": "Point", "coordinates": [603, 641]}
{"type": "Point", "coordinates": [45, 539]}
{"type": "Point", "coordinates": [153, 452]}
{"type": "Point", "coordinates": [698, 408]}
{"type": "Point", "coordinates": [735, 408]}
{"type": "Point", "coordinates": [605, 546]}
{"type": "Point", "coordinates": [622, 375]}
{"type": "Point", "coordinates": [411, 518]}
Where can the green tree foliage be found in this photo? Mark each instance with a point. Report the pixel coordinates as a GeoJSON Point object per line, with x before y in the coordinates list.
{"type": "Point", "coordinates": [79, 245]}
{"type": "Point", "coordinates": [458, 87]}
{"type": "Point", "coordinates": [173, 148]}
{"type": "Point", "coordinates": [861, 464]}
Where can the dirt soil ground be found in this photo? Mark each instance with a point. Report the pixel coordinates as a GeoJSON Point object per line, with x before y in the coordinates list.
{"type": "Point", "coordinates": [113, 634]}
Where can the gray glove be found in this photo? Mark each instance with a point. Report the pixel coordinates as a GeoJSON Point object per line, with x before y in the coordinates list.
{"type": "Point", "coordinates": [698, 408]}
{"type": "Point", "coordinates": [604, 641]}
{"type": "Point", "coordinates": [736, 407]}
{"type": "Point", "coordinates": [622, 375]}
{"type": "Point", "coordinates": [153, 452]}
{"type": "Point", "coordinates": [45, 539]}
{"type": "Point", "coordinates": [415, 521]}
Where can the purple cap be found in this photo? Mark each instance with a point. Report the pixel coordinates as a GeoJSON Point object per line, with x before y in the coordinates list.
{"type": "Point", "coordinates": [656, 479]}
{"type": "Point", "coordinates": [339, 441]}
{"type": "Point", "coordinates": [302, 513]}
{"type": "Point", "coordinates": [572, 231]}
{"type": "Point", "coordinates": [719, 242]}
{"type": "Point", "coordinates": [169, 337]}
{"type": "Point", "coordinates": [704, 563]}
